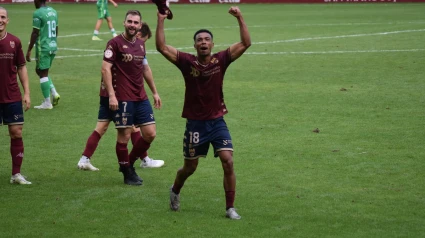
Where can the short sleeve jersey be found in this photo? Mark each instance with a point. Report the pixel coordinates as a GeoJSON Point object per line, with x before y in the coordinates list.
{"type": "Point", "coordinates": [126, 58]}
{"type": "Point", "coordinates": [11, 57]}
{"type": "Point", "coordinates": [204, 99]}
{"type": "Point", "coordinates": [46, 19]}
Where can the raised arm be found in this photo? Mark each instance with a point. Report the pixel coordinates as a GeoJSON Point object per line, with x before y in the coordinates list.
{"type": "Point", "coordinates": [107, 80]}
{"type": "Point", "coordinates": [237, 49]}
{"type": "Point", "coordinates": [169, 52]}
{"type": "Point", "coordinates": [23, 77]}
{"type": "Point", "coordinates": [148, 76]}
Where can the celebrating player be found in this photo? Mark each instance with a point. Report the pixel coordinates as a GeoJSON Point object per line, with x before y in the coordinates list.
{"type": "Point", "coordinates": [12, 62]}
{"type": "Point", "coordinates": [122, 69]}
{"type": "Point", "coordinates": [104, 119]}
{"type": "Point", "coordinates": [44, 36]}
{"type": "Point", "coordinates": [204, 106]}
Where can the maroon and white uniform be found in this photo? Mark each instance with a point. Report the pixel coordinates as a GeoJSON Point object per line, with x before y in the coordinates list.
{"type": "Point", "coordinates": [11, 57]}
{"type": "Point", "coordinates": [127, 68]}
{"type": "Point", "coordinates": [203, 98]}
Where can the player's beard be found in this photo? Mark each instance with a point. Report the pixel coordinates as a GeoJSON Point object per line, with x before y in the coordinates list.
{"type": "Point", "coordinates": [128, 31]}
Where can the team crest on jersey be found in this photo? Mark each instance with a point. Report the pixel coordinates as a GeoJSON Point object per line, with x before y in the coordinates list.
{"type": "Point", "coordinates": [141, 47]}
{"type": "Point", "coordinates": [195, 72]}
{"type": "Point", "coordinates": [124, 121]}
{"type": "Point", "coordinates": [214, 60]}
{"type": "Point", "coordinates": [125, 47]}
{"type": "Point", "coordinates": [12, 44]}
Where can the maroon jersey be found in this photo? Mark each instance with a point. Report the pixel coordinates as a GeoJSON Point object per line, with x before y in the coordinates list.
{"type": "Point", "coordinates": [11, 57]}
{"type": "Point", "coordinates": [203, 99]}
{"type": "Point", "coordinates": [127, 68]}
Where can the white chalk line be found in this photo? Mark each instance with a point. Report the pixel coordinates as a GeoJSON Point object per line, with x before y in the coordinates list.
{"type": "Point", "coordinates": [261, 26]}
{"type": "Point", "coordinates": [283, 53]}
{"type": "Point", "coordinates": [284, 41]}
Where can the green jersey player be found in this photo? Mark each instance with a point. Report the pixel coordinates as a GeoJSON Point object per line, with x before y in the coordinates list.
{"type": "Point", "coordinates": [103, 13]}
{"type": "Point", "coordinates": [44, 36]}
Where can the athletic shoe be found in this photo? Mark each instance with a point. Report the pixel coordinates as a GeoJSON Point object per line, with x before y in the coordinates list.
{"type": "Point", "coordinates": [44, 105]}
{"type": "Point", "coordinates": [115, 34]}
{"type": "Point", "coordinates": [174, 200]}
{"type": "Point", "coordinates": [129, 177]}
{"type": "Point", "coordinates": [134, 174]}
{"type": "Point", "coordinates": [95, 38]}
{"type": "Point", "coordinates": [56, 99]}
{"type": "Point", "coordinates": [232, 214]}
{"type": "Point", "coordinates": [163, 8]}
{"type": "Point", "coordinates": [19, 179]}
{"type": "Point", "coordinates": [151, 163]}
{"type": "Point", "coordinates": [84, 164]}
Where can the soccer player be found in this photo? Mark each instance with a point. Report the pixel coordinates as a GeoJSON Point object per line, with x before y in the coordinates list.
{"type": "Point", "coordinates": [103, 120]}
{"type": "Point", "coordinates": [12, 62]}
{"type": "Point", "coordinates": [103, 13]}
{"type": "Point", "coordinates": [122, 71]}
{"type": "Point", "coordinates": [44, 36]}
{"type": "Point", "coordinates": [204, 106]}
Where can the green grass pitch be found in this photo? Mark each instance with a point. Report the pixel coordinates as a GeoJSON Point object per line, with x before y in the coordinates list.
{"type": "Point", "coordinates": [354, 71]}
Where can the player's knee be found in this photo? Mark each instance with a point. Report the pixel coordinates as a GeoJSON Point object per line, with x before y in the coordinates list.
{"type": "Point", "coordinates": [190, 166]}
{"type": "Point", "coordinates": [227, 165]}
{"type": "Point", "coordinates": [149, 137]}
{"type": "Point", "coordinates": [15, 132]}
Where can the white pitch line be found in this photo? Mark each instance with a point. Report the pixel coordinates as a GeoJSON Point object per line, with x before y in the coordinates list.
{"type": "Point", "coordinates": [261, 26]}
{"type": "Point", "coordinates": [283, 53]}
{"type": "Point", "coordinates": [331, 52]}
{"type": "Point", "coordinates": [336, 37]}
{"type": "Point", "coordinates": [285, 41]}
{"type": "Point", "coordinates": [299, 39]}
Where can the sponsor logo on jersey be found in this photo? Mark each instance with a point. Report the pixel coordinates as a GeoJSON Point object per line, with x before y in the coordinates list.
{"type": "Point", "coordinates": [12, 44]}
{"type": "Point", "coordinates": [108, 53]}
{"type": "Point", "coordinates": [52, 44]}
{"type": "Point", "coordinates": [127, 57]}
{"type": "Point", "coordinates": [195, 72]}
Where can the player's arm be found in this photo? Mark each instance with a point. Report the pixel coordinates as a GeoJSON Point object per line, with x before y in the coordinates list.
{"type": "Point", "coordinates": [23, 77]}
{"type": "Point", "coordinates": [148, 76]}
{"type": "Point", "coordinates": [34, 35]}
{"type": "Point", "coordinates": [169, 52]}
{"type": "Point", "coordinates": [107, 80]}
{"type": "Point", "coordinates": [237, 49]}
{"type": "Point", "coordinates": [113, 3]}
